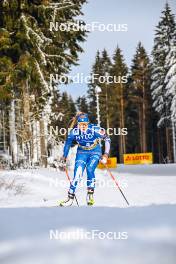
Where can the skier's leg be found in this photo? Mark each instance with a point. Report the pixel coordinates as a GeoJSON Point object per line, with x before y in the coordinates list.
{"type": "Point", "coordinates": [80, 164]}
{"type": "Point", "coordinates": [91, 166]}
{"type": "Point", "coordinates": [68, 201]}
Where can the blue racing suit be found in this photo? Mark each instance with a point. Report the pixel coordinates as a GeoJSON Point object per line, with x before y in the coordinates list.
{"type": "Point", "coordinates": [89, 152]}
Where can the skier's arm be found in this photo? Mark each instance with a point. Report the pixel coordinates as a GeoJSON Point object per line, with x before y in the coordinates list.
{"type": "Point", "coordinates": [107, 140]}
{"type": "Point", "coordinates": [68, 144]}
{"type": "Point", "coordinates": [102, 135]}
{"type": "Point", "coordinates": [107, 145]}
{"type": "Point", "coordinates": [105, 156]}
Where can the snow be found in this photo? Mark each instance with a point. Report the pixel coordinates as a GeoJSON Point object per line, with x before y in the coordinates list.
{"type": "Point", "coordinates": [27, 218]}
{"type": "Point", "coordinates": [153, 185]}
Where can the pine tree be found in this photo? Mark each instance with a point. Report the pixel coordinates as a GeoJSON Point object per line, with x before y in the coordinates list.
{"type": "Point", "coordinates": [82, 104]}
{"type": "Point", "coordinates": [105, 102]}
{"type": "Point", "coordinates": [66, 107]}
{"type": "Point", "coordinates": [72, 107]}
{"type": "Point", "coordinates": [100, 71]}
{"type": "Point", "coordinates": [170, 79]}
{"type": "Point", "coordinates": [118, 91]}
{"type": "Point", "coordinates": [91, 89]}
{"type": "Point", "coordinates": [170, 82]}
{"type": "Point", "coordinates": [141, 82]}
{"type": "Point", "coordinates": [165, 33]}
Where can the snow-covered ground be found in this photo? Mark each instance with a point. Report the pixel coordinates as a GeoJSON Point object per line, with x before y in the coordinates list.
{"type": "Point", "coordinates": [147, 228]}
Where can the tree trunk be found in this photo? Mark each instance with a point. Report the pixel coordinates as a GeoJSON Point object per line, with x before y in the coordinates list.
{"type": "Point", "coordinates": [107, 108]}
{"type": "Point", "coordinates": [43, 144]}
{"type": "Point", "coordinates": [140, 130]}
{"type": "Point", "coordinates": [13, 137]}
{"type": "Point", "coordinates": [120, 144]}
{"type": "Point", "coordinates": [27, 135]}
{"type": "Point", "coordinates": [159, 150]}
{"type": "Point", "coordinates": [174, 143]}
{"type": "Point", "coordinates": [34, 142]}
{"type": "Point", "coordinates": [144, 143]}
{"type": "Point", "coordinates": [4, 130]}
{"type": "Point", "coordinates": [122, 118]}
{"type": "Point", "coordinates": [168, 144]}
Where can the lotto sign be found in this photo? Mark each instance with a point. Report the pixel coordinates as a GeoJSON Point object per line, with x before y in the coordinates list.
{"type": "Point", "coordinates": [112, 163]}
{"type": "Point", "coordinates": [139, 158]}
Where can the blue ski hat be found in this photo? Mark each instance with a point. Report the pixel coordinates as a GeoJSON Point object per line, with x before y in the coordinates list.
{"type": "Point", "coordinates": [83, 118]}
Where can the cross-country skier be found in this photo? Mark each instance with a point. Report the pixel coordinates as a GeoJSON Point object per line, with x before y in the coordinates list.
{"type": "Point", "coordinates": [89, 153]}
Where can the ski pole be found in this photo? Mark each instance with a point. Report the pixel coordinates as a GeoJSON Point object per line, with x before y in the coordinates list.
{"type": "Point", "coordinates": [68, 177]}
{"type": "Point", "coordinates": [112, 176]}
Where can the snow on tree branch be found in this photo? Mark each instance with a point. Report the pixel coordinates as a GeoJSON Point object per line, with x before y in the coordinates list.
{"type": "Point", "coordinates": [45, 84]}
{"type": "Point", "coordinates": [40, 38]}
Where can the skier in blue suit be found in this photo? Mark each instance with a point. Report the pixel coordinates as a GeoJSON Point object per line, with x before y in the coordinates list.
{"type": "Point", "coordinates": [89, 153]}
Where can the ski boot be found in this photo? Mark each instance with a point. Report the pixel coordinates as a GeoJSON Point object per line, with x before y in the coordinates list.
{"type": "Point", "coordinates": [68, 201]}
{"type": "Point", "coordinates": [90, 199]}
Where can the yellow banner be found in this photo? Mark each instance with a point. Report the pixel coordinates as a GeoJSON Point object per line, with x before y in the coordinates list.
{"type": "Point", "coordinates": [112, 163]}
{"type": "Point", "coordinates": [138, 158]}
